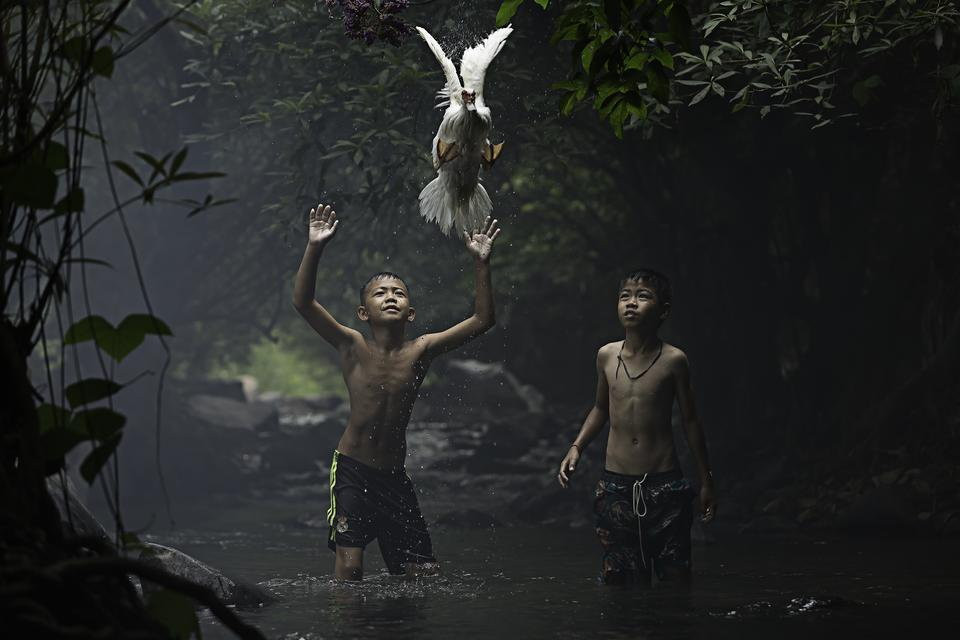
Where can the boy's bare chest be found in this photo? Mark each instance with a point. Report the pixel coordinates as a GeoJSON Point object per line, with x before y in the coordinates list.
{"type": "Point", "coordinates": [652, 389]}
{"type": "Point", "coordinates": [395, 372]}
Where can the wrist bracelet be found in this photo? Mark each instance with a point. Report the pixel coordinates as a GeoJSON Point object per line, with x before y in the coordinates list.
{"type": "Point", "coordinates": [577, 447]}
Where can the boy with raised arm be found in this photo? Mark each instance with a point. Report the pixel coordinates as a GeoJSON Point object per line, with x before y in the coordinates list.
{"type": "Point", "coordinates": [371, 495]}
{"type": "Point", "coordinates": [643, 503]}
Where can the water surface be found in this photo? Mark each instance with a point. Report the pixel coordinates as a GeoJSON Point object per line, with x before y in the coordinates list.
{"type": "Point", "coordinates": [541, 582]}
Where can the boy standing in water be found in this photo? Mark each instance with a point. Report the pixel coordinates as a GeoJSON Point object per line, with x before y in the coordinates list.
{"type": "Point", "coordinates": [643, 503]}
{"type": "Point", "coordinates": [371, 495]}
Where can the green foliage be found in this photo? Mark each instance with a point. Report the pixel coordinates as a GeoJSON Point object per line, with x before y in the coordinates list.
{"type": "Point", "coordinates": [93, 463]}
{"type": "Point", "coordinates": [819, 61]}
{"type": "Point", "coordinates": [622, 50]}
{"type": "Point", "coordinates": [286, 367]}
{"type": "Point", "coordinates": [61, 431]}
{"type": "Point", "coordinates": [174, 611]}
{"type": "Point", "coordinates": [54, 51]}
{"type": "Point", "coordinates": [90, 390]}
{"type": "Point", "coordinates": [117, 342]}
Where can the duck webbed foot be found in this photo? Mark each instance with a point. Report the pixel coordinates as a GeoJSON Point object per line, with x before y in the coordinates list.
{"type": "Point", "coordinates": [446, 152]}
{"type": "Point", "coordinates": [490, 154]}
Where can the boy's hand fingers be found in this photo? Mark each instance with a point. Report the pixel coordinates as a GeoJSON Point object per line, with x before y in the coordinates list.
{"type": "Point", "coordinates": [709, 511]}
{"type": "Point", "coordinates": [495, 234]}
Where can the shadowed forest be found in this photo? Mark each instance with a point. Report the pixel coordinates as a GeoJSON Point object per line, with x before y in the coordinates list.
{"type": "Point", "coordinates": [792, 167]}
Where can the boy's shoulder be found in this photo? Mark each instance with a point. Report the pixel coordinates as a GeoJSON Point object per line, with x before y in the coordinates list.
{"type": "Point", "coordinates": [673, 353]}
{"type": "Point", "coordinates": [610, 347]}
{"type": "Point", "coordinates": [608, 351]}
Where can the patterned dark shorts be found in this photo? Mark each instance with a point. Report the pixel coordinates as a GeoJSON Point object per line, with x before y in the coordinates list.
{"type": "Point", "coordinates": [654, 535]}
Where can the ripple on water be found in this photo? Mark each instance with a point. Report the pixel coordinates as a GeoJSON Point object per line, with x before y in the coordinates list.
{"type": "Point", "coordinates": [382, 586]}
{"type": "Point", "coordinates": [799, 605]}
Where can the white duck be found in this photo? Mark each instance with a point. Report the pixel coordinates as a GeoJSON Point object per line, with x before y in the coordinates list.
{"type": "Point", "coordinates": [456, 197]}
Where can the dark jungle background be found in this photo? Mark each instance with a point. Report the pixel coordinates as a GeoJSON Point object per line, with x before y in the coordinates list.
{"type": "Point", "coordinates": [792, 167]}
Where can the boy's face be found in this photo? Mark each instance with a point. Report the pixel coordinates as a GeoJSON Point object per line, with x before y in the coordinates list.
{"type": "Point", "coordinates": [386, 301]}
{"type": "Point", "coordinates": [638, 306]}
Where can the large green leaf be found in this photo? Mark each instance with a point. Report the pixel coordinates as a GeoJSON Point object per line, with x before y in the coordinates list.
{"type": "Point", "coordinates": [507, 11]}
{"type": "Point", "coordinates": [90, 390]}
{"type": "Point", "coordinates": [680, 25]}
{"type": "Point", "coordinates": [30, 185]}
{"type": "Point", "coordinates": [55, 156]}
{"type": "Point", "coordinates": [657, 82]}
{"type": "Point", "coordinates": [91, 465]}
{"type": "Point", "coordinates": [59, 441]}
{"type": "Point", "coordinates": [50, 416]}
{"type": "Point", "coordinates": [73, 202]}
{"type": "Point", "coordinates": [120, 341]}
{"type": "Point", "coordinates": [586, 56]}
{"type": "Point", "coordinates": [102, 63]}
{"type": "Point", "coordinates": [99, 423]}
{"type": "Point", "coordinates": [175, 611]}
{"type": "Point", "coordinates": [131, 332]}
{"type": "Point", "coordinates": [88, 328]}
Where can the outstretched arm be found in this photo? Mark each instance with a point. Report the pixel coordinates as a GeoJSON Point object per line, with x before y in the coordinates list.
{"type": "Point", "coordinates": [321, 228]}
{"type": "Point", "coordinates": [695, 438]}
{"type": "Point", "coordinates": [591, 426]}
{"type": "Point", "coordinates": [479, 245]}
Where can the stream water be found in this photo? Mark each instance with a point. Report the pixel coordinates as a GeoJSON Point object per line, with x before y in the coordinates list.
{"type": "Point", "coordinates": [541, 582]}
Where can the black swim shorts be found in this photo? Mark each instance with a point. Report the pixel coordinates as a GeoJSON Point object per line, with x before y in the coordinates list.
{"type": "Point", "coordinates": [643, 523]}
{"type": "Point", "coordinates": [367, 504]}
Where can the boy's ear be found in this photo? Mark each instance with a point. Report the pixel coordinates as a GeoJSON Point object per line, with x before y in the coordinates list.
{"type": "Point", "coordinates": [666, 311]}
{"type": "Point", "coordinates": [362, 313]}
{"type": "Point", "coordinates": [411, 314]}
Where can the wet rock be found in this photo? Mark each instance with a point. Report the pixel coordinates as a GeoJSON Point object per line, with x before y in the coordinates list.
{"type": "Point", "coordinates": [198, 459]}
{"type": "Point", "coordinates": [468, 519]}
{"type": "Point", "coordinates": [480, 391]}
{"type": "Point", "coordinates": [886, 507]}
{"type": "Point", "coordinates": [178, 563]}
{"type": "Point", "coordinates": [233, 414]}
{"type": "Point", "coordinates": [297, 405]}
{"type": "Point", "coordinates": [311, 521]}
{"type": "Point", "coordinates": [75, 518]}
{"type": "Point", "coordinates": [231, 389]}
{"type": "Point", "coordinates": [301, 451]}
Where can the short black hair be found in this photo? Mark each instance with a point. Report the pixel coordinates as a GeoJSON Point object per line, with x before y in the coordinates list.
{"type": "Point", "coordinates": [653, 279]}
{"type": "Point", "coordinates": [379, 276]}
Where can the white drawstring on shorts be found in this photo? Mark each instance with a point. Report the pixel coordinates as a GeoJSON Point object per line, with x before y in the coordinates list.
{"type": "Point", "coordinates": [637, 501]}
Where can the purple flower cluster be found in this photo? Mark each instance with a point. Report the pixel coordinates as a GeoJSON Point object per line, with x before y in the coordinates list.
{"type": "Point", "coordinates": [372, 20]}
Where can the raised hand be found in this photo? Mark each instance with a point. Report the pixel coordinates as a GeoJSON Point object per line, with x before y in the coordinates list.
{"type": "Point", "coordinates": [322, 224]}
{"type": "Point", "coordinates": [480, 243]}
